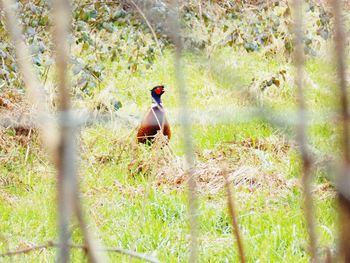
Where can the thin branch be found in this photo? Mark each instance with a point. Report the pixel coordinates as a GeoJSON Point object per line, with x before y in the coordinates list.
{"type": "Point", "coordinates": [25, 250]}
{"type": "Point", "coordinates": [148, 24]}
{"type": "Point", "coordinates": [301, 129]}
{"type": "Point", "coordinates": [343, 179]}
{"type": "Point", "coordinates": [52, 244]}
{"type": "Point", "coordinates": [234, 221]}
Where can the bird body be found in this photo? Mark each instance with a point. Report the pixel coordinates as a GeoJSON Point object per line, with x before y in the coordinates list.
{"type": "Point", "coordinates": [155, 119]}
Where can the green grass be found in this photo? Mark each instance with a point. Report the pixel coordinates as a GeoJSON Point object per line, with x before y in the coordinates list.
{"type": "Point", "coordinates": [129, 210]}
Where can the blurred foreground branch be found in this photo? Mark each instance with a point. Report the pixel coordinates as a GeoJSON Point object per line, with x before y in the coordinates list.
{"type": "Point", "coordinates": [174, 26]}
{"type": "Point", "coordinates": [66, 167]}
{"type": "Point", "coordinates": [343, 179]}
{"type": "Point", "coordinates": [52, 244]}
{"type": "Point", "coordinates": [301, 129]}
{"type": "Point", "coordinates": [68, 189]}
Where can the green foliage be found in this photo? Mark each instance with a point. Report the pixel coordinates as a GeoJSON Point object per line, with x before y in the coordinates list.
{"type": "Point", "coordinates": [265, 26]}
{"type": "Point", "coordinates": [100, 32]}
{"type": "Point", "coordinates": [104, 32]}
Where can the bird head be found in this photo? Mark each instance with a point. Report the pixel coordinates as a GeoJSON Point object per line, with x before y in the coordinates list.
{"type": "Point", "coordinates": [157, 92]}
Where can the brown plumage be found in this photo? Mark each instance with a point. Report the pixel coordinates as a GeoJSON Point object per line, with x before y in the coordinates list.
{"type": "Point", "coordinates": [155, 119]}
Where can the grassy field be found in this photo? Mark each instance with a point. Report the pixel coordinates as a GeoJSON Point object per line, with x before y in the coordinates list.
{"type": "Point", "coordinates": [135, 197]}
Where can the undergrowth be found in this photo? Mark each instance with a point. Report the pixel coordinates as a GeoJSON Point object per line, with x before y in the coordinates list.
{"type": "Point", "coordinates": [135, 196]}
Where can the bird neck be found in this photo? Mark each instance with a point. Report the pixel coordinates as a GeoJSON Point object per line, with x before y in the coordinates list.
{"type": "Point", "coordinates": [156, 101]}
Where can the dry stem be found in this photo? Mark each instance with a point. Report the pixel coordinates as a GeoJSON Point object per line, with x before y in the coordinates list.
{"type": "Point", "coordinates": [301, 129]}
{"type": "Point", "coordinates": [234, 221]}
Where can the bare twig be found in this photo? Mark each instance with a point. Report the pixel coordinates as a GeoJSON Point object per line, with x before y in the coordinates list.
{"type": "Point", "coordinates": [234, 221]}
{"type": "Point", "coordinates": [25, 250]}
{"type": "Point", "coordinates": [343, 179]}
{"type": "Point", "coordinates": [148, 24]}
{"type": "Point", "coordinates": [28, 146]}
{"type": "Point", "coordinates": [301, 129]}
{"type": "Point", "coordinates": [174, 26]}
{"type": "Point", "coordinates": [52, 244]}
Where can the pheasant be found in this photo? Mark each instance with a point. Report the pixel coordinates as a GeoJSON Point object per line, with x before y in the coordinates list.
{"type": "Point", "coordinates": [155, 119]}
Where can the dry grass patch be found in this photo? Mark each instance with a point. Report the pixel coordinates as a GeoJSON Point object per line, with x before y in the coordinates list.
{"type": "Point", "coordinates": [167, 169]}
{"type": "Point", "coordinates": [16, 124]}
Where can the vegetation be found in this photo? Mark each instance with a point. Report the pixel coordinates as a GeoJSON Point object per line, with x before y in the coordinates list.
{"type": "Point", "coordinates": [237, 56]}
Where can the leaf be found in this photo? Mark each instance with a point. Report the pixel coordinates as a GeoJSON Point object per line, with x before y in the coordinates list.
{"type": "Point", "coordinates": [286, 12]}
{"type": "Point", "coordinates": [49, 61]}
{"type": "Point", "coordinates": [87, 38]}
{"type": "Point", "coordinates": [276, 81]}
{"type": "Point", "coordinates": [85, 46]}
{"type": "Point", "coordinates": [77, 68]}
{"type": "Point", "coordinates": [308, 50]}
{"type": "Point", "coordinates": [82, 26]}
{"type": "Point", "coordinates": [117, 105]}
{"type": "Point", "coordinates": [308, 41]}
{"type": "Point", "coordinates": [92, 14]}
{"type": "Point", "coordinates": [109, 27]}
{"type": "Point", "coordinates": [2, 54]}
{"type": "Point", "coordinates": [324, 33]}
{"type": "Point", "coordinates": [34, 49]}
{"type": "Point", "coordinates": [44, 20]}
{"type": "Point", "coordinates": [35, 9]}
{"type": "Point", "coordinates": [37, 60]}
{"type": "Point", "coordinates": [31, 31]}
{"type": "Point", "coordinates": [3, 72]}
{"type": "Point", "coordinates": [251, 47]}
{"type": "Point", "coordinates": [119, 14]}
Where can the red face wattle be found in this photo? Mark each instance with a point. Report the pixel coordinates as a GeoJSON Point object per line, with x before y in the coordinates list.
{"type": "Point", "coordinates": [159, 90]}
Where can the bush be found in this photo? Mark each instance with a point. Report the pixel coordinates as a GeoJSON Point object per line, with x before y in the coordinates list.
{"type": "Point", "coordinates": [116, 32]}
